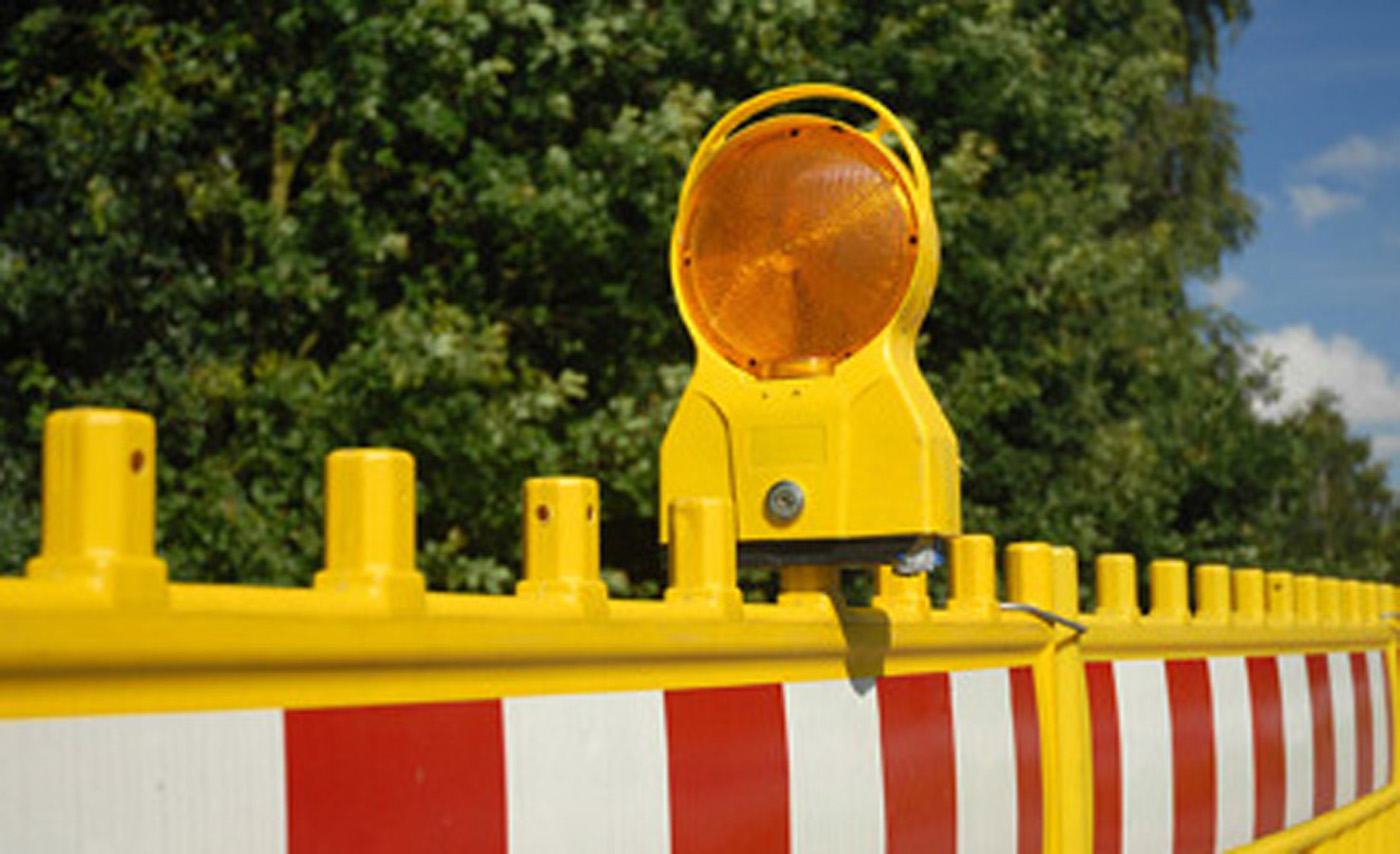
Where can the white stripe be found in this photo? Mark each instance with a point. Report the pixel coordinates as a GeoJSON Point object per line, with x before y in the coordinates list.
{"type": "Point", "coordinates": [1343, 725]}
{"type": "Point", "coordinates": [1381, 725]}
{"type": "Point", "coordinates": [1296, 700]}
{"type": "Point", "coordinates": [587, 774]}
{"type": "Point", "coordinates": [144, 784]}
{"type": "Point", "coordinates": [836, 783]}
{"type": "Point", "coordinates": [1144, 721]}
{"type": "Point", "coordinates": [985, 761]}
{"type": "Point", "coordinates": [1233, 719]}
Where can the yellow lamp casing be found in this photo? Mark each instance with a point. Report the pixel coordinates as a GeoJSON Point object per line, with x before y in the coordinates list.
{"type": "Point", "coordinates": [804, 259]}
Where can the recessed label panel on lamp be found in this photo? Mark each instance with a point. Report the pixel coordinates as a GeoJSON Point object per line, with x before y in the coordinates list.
{"type": "Point", "coordinates": [787, 446]}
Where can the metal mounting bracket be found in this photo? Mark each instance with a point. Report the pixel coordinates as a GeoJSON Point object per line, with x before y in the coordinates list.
{"type": "Point", "coordinates": [1047, 616]}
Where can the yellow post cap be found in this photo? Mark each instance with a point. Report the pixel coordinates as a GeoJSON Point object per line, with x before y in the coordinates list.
{"type": "Point", "coordinates": [1248, 590]}
{"type": "Point", "coordinates": [1065, 581]}
{"type": "Point", "coordinates": [1305, 604]}
{"type": "Point", "coordinates": [1029, 574]}
{"type": "Point", "coordinates": [1329, 601]}
{"type": "Point", "coordinates": [1279, 597]}
{"type": "Point", "coordinates": [703, 555]}
{"type": "Point", "coordinates": [562, 542]}
{"type": "Point", "coordinates": [1116, 577]}
{"type": "Point", "coordinates": [1169, 591]}
{"type": "Point", "coordinates": [1213, 593]}
{"type": "Point", "coordinates": [370, 527]}
{"type": "Point", "coordinates": [99, 489]}
{"type": "Point", "coordinates": [973, 576]}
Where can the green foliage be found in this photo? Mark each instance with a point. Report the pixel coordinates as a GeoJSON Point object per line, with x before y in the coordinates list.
{"type": "Point", "coordinates": [442, 226]}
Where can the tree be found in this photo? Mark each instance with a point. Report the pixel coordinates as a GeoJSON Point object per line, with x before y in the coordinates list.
{"type": "Point", "coordinates": [1335, 506]}
{"type": "Point", "coordinates": [443, 226]}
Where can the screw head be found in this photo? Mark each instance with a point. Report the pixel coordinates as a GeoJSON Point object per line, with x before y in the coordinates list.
{"type": "Point", "coordinates": [784, 502]}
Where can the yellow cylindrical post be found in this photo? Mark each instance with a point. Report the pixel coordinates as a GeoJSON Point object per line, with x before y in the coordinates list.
{"type": "Point", "coordinates": [702, 555]}
{"type": "Point", "coordinates": [1064, 570]}
{"type": "Point", "coordinates": [370, 509]}
{"type": "Point", "coordinates": [1279, 597]}
{"type": "Point", "coordinates": [1370, 602]}
{"type": "Point", "coordinates": [562, 542]}
{"type": "Point", "coordinates": [1028, 574]}
{"type": "Point", "coordinates": [1116, 577]}
{"type": "Point", "coordinates": [1248, 587]}
{"type": "Point", "coordinates": [371, 528]}
{"type": "Point", "coordinates": [1329, 601]}
{"type": "Point", "coordinates": [809, 586]}
{"type": "Point", "coordinates": [901, 595]}
{"type": "Point", "coordinates": [99, 495]}
{"type": "Point", "coordinates": [1066, 715]}
{"type": "Point", "coordinates": [972, 568]}
{"type": "Point", "coordinates": [1169, 591]}
{"type": "Point", "coordinates": [1305, 606]}
{"type": "Point", "coordinates": [1213, 594]}
{"type": "Point", "coordinates": [1351, 602]}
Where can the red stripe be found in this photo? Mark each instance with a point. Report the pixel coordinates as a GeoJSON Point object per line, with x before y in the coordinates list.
{"type": "Point", "coordinates": [916, 739]}
{"type": "Point", "coordinates": [729, 774]}
{"type": "Point", "coordinates": [1270, 783]}
{"type": "Point", "coordinates": [1365, 732]}
{"type": "Point", "coordinates": [1030, 804]}
{"type": "Point", "coordinates": [1193, 757]}
{"type": "Point", "coordinates": [1389, 718]}
{"type": "Point", "coordinates": [1324, 737]}
{"type": "Point", "coordinates": [1108, 767]}
{"type": "Point", "coordinates": [396, 778]}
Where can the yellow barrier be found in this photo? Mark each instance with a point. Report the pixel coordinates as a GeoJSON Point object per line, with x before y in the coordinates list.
{"type": "Point", "coordinates": [95, 630]}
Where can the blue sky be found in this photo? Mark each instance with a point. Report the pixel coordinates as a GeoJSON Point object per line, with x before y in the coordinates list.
{"type": "Point", "coordinates": [1317, 87]}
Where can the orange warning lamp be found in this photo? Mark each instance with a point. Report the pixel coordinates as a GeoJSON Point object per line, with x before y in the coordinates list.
{"type": "Point", "coordinates": [804, 258]}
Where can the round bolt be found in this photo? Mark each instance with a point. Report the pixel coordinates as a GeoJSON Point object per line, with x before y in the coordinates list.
{"type": "Point", "coordinates": [784, 502]}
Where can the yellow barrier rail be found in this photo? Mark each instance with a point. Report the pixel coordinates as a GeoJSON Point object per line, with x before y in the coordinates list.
{"type": "Point", "coordinates": [94, 629]}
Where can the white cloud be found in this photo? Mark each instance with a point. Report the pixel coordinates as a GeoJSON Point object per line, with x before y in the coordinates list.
{"type": "Point", "coordinates": [1367, 389]}
{"type": "Point", "coordinates": [1357, 157]}
{"type": "Point", "coordinates": [1225, 290]}
{"type": "Point", "coordinates": [1386, 447]}
{"type": "Point", "coordinates": [1313, 203]}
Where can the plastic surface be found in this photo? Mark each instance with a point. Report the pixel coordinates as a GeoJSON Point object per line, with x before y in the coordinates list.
{"type": "Point", "coordinates": [804, 260]}
{"type": "Point", "coordinates": [799, 246]}
{"type": "Point", "coordinates": [343, 694]}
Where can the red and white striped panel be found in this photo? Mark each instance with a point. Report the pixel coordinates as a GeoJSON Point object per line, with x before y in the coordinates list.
{"type": "Point", "coordinates": [927, 763]}
{"type": "Point", "coordinates": [1205, 755]}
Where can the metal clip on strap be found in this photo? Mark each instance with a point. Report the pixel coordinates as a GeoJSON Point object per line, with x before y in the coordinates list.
{"type": "Point", "coordinates": [1048, 616]}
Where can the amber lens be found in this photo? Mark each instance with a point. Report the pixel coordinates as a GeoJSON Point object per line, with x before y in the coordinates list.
{"type": "Point", "coordinates": [799, 246]}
